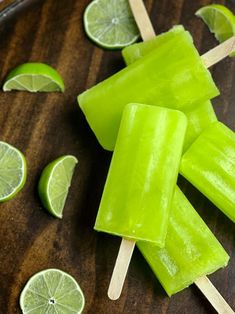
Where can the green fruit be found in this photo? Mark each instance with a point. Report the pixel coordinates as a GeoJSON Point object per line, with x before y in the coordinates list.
{"type": "Point", "coordinates": [110, 23]}
{"type": "Point", "coordinates": [54, 184]}
{"type": "Point", "coordinates": [34, 77]}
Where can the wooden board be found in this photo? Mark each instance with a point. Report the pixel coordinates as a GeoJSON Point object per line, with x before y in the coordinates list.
{"type": "Point", "coordinates": [45, 126]}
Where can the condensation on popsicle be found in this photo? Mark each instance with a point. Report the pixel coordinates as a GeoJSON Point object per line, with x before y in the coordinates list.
{"type": "Point", "coordinates": [143, 172]}
{"type": "Point", "coordinates": [191, 250]}
{"type": "Point", "coordinates": [202, 114]}
{"type": "Point", "coordinates": [171, 76]}
{"type": "Point", "coordinates": [209, 164]}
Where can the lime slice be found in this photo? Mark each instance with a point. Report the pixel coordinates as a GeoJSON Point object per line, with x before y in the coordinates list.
{"type": "Point", "coordinates": [110, 23]}
{"type": "Point", "coordinates": [54, 184]}
{"type": "Point", "coordinates": [34, 77]}
{"type": "Point", "coordinates": [219, 19]}
{"type": "Point", "coordinates": [12, 171]}
{"type": "Point", "coordinates": [52, 291]}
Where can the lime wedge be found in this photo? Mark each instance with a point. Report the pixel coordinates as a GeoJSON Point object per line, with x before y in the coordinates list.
{"type": "Point", "coordinates": [12, 171]}
{"type": "Point", "coordinates": [110, 23]}
{"type": "Point", "coordinates": [219, 19]}
{"type": "Point", "coordinates": [54, 184]}
{"type": "Point", "coordinates": [34, 77]}
{"type": "Point", "coordinates": [52, 291]}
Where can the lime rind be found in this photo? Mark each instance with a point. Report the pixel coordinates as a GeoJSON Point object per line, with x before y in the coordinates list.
{"type": "Point", "coordinates": [51, 290]}
{"type": "Point", "coordinates": [34, 77]}
{"type": "Point", "coordinates": [14, 171]}
{"type": "Point", "coordinates": [55, 182]}
{"type": "Point", "coordinates": [220, 21]}
{"type": "Point", "coordinates": [110, 24]}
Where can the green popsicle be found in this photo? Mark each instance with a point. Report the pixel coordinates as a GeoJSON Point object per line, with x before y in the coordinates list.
{"type": "Point", "coordinates": [138, 192]}
{"type": "Point", "coordinates": [191, 250]}
{"type": "Point", "coordinates": [203, 113]}
{"type": "Point", "coordinates": [209, 164]}
{"type": "Point", "coordinates": [171, 76]}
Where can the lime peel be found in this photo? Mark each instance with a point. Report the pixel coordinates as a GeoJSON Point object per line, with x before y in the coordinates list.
{"type": "Point", "coordinates": [220, 21]}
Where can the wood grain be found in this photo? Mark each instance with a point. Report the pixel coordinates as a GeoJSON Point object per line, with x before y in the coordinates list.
{"type": "Point", "coordinates": [46, 126]}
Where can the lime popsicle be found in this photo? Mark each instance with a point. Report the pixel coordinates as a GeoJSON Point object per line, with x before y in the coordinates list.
{"type": "Point", "coordinates": [191, 250]}
{"type": "Point", "coordinates": [209, 164]}
{"type": "Point", "coordinates": [137, 195]}
{"type": "Point", "coordinates": [171, 76]}
{"type": "Point", "coordinates": [202, 114]}
{"type": "Point", "coordinates": [138, 192]}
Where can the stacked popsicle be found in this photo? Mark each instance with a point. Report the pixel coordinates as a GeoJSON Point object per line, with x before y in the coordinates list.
{"type": "Point", "coordinates": [191, 250]}
{"type": "Point", "coordinates": [139, 188]}
{"type": "Point", "coordinates": [173, 76]}
{"type": "Point", "coordinates": [137, 197]}
{"type": "Point", "coordinates": [211, 169]}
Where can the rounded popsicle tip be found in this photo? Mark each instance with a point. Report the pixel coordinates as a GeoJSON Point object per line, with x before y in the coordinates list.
{"type": "Point", "coordinates": [114, 295]}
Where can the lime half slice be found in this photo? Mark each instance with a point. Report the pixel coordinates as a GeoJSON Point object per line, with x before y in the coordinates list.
{"type": "Point", "coordinates": [12, 171]}
{"type": "Point", "coordinates": [110, 23]}
{"type": "Point", "coordinates": [52, 291]}
{"type": "Point", "coordinates": [34, 77]}
{"type": "Point", "coordinates": [219, 19]}
{"type": "Point", "coordinates": [54, 184]}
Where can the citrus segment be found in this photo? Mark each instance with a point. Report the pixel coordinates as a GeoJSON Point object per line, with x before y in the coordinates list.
{"type": "Point", "coordinates": [54, 184]}
{"type": "Point", "coordinates": [34, 77]}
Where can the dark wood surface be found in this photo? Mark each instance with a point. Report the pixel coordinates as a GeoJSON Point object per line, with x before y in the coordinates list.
{"type": "Point", "coordinates": [45, 126]}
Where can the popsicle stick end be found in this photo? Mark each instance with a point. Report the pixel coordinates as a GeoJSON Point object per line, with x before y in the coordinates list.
{"type": "Point", "coordinates": [213, 296]}
{"type": "Point", "coordinates": [120, 269]}
{"type": "Point", "coordinates": [142, 19]}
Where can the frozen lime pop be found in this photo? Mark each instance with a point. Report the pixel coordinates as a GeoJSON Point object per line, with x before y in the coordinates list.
{"type": "Point", "coordinates": [139, 188]}
{"type": "Point", "coordinates": [191, 250]}
{"type": "Point", "coordinates": [171, 76]}
{"type": "Point", "coordinates": [137, 195]}
{"type": "Point", "coordinates": [209, 164]}
{"type": "Point", "coordinates": [202, 113]}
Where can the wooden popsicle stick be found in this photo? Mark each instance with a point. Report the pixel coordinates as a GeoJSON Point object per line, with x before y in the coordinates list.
{"type": "Point", "coordinates": [127, 247]}
{"type": "Point", "coordinates": [218, 53]}
{"type": "Point", "coordinates": [120, 269]}
{"type": "Point", "coordinates": [210, 58]}
{"type": "Point", "coordinates": [213, 296]}
{"type": "Point", "coordinates": [142, 19]}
